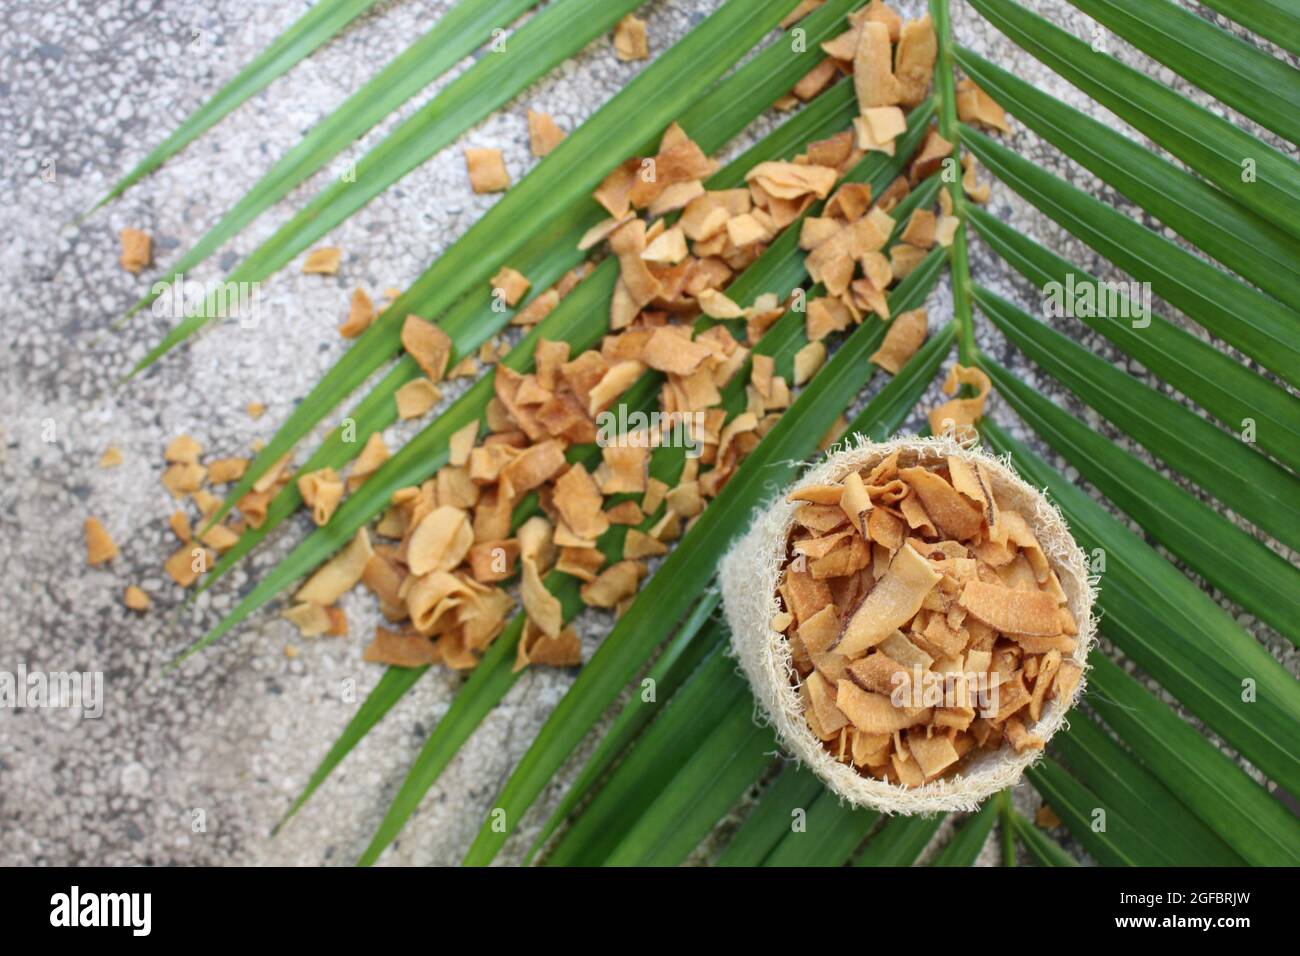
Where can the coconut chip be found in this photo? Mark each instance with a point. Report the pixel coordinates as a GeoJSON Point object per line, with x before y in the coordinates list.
{"type": "Point", "coordinates": [905, 336]}
{"type": "Point", "coordinates": [487, 170]}
{"type": "Point", "coordinates": [323, 261]}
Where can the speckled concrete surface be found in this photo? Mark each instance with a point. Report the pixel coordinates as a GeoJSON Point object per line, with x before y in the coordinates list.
{"type": "Point", "coordinates": [85, 91]}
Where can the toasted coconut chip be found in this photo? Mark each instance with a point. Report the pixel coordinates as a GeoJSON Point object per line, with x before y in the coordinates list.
{"type": "Point", "coordinates": [818, 494]}
{"type": "Point", "coordinates": [180, 480]}
{"type": "Point", "coordinates": [875, 713]}
{"type": "Point", "coordinates": [614, 192]}
{"type": "Point", "coordinates": [717, 306]}
{"type": "Point", "coordinates": [429, 345]}
{"type": "Point", "coordinates": [111, 458]}
{"type": "Point", "coordinates": [1031, 613]}
{"type": "Point", "coordinates": [885, 529]}
{"type": "Point", "coordinates": [670, 349]}
{"type": "Point", "coordinates": [440, 541]}
{"type": "Point", "coordinates": [855, 502]}
{"type": "Point", "coordinates": [904, 258]}
{"type": "Point", "coordinates": [187, 564]}
{"type": "Point", "coordinates": [816, 230]}
{"type": "Point", "coordinates": [630, 39]}
{"type": "Point", "coordinates": [1022, 739]}
{"type": "Point", "coordinates": [615, 583]}
{"type": "Point", "coordinates": [960, 413]}
{"type": "Point", "coordinates": [929, 157]}
{"type": "Point", "coordinates": [873, 76]}
{"type": "Point", "coordinates": [225, 470]}
{"type": "Point", "coordinates": [312, 620]}
{"type": "Point", "coordinates": [580, 503]}
{"type": "Point", "coordinates": [321, 491]}
{"type": "Point", "coordinates": [920, 229]}
{"type": "Point", "coordinates": [915, 515]}
{"type": "Point", "coordinates": [976, 106]}
{"type": "Point", "coordinates": [878, 127]}
{"type": "Point", "coordinates": [843, 46]}
{"type": "Point", "coordinates": [487, 170]}
{"type": "Point", "coordinates": [878, 673]}
{"type": "Point", "coordinates": [946, 230]}
{"type": "Point", "coordinates": [917, 49]}
{"type": "Point", "coordinates": [220, 538]}
{"type": "Point", "coordinates": [977, 192]}
{"type": "Point", "coordinates": [180, 525]}
{"type": "Point", "coordinates": [434, 599]}
{"type": "Point", "coordinates": [461, 443]}
{"type": "Point", "coordinates": [543, 608]}
{"type": "Point", "coordinates": [850, 202]}
{"type": "Point", "coordinates": [535, 647]}
{"type": "Point", "coordinates": [822, 698]}
{"type": "Point", "coordinates": [99, 543]}
{"type": "Point", "coordinates": [892, 603]}
{"type": "Point", "coordinates": [905, 336]}
{"type": "Point", "coordinates": [747, 229]}
{"type": "Point", "coordinates": [669, 248]}
{"type": "Point", "coordinates": [535, 466]}
{"type": "Point", "coordinates": [878, 270]}
{"type": "Point", "coordinates": [137, 600]}
{"type": "Point", "coordinates": [953, 515]}
{"type": "Point", "coordinates": [543, 134]}
{"type": "Point", "coordinates": [183, 449]}
{"type": "Point", "coordinates": [932, 754]}
{"type": "Point", "coordinates": [807, 361]}
{"type": "Point", "coordinates": [137, 250]}
{"type": "Point", "coordinates": [825, 315]}
{"type": "Point", "coordinates": [400, 650]}
{"type": "Point", "coordinates": [804, 8]}
{"type": "Point", "coordinates": [361, 313]}
{"type": "Point", "coordinates": [624, 469]}
{"type": "Point", "coordinates": [815, 80]}
{"type": "Point", "coordinates": [372, 457]}
{"type": "Point", "coordinates": [792, 181]}
{"type": "Point", "coordinates": [582, 563]}
{"type": "Point", "coordinates": [617, 380]}
{"type": "Point", "coordinates": [625, 513]}
{"type": "Point", "coordinates": [338, 575]}
{"type": "Point", "coordinates": [509, 285]}
{"type": "Point", "coordinates": [654, 495]}
{"type": "Point", "coordinates": [603, 229]}
{"type": "Point", "coordinates": [323, 261]}
{"type": "Point", "coordinates": [492, 561]}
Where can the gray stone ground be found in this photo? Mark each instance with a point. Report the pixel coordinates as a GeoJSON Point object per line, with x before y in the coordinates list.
{"type": "Point", "coordinates": [86, 90]}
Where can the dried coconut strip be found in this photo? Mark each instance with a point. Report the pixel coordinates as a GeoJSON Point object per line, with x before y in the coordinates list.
{"type": "Point", "coordinates": [487, 170]}
{"type": "Point", "coordinates": [225, 470]}
{"type": "Point", "coordinates": [461, 443]}
{"type": "Point", "coordinates": [954, 516]}
{"type": "Point", "coordinates": [807, 361]}
{"type": "Point", "coordinates": [321, 491]}
{"type": "Point", "coordinates": [918, 48]}
{"type": "Point", "coordinates": [783, 180]}
{"type": "Point", "coordinates": [137, 250]}
{"type": "Point", "coordinates": [99, 543]}
{"type": "Point", "coordinates": [338, 575]}
{"type": "Point", "coordinates": [905, 336]}
{"type": "Point", "coordinates": [429, 345]}
{"type": "Point", "coordinates": [372, 456]}
{"type": "Point", "coordinates": [440, 541]}
{"type": "Point", "coordinates": [873, 77]}
{"type": "Point", "coordinates": [892, 603]}
{"type": "Point", "coordinates": [361, 312]}
{"type": "Point", "coordinates": [323, 261]}
{"type": "Point", "coordinates": [579, 502]}
{"type": "Point", "coordinates": [961, 412]}
{"type": "Point", "coordinates": [855, 502]}
{"type": "Point", "coordinates": [136, 599]}
{"type": "Point", "coordinates": [615, 583]}
{"type": "Point", "coordinates": [976, 106]}
{"type": "Point", "coordinates": [509, 285]}
{"type": "Point", "coordinates": [630, 41]}
{"type": "Point", "coordinates": [876, 713]}
{"type": "Point", "coordinates": [400, 650]}
{"type": "Point", "coordinates": [1030, 613]}
{"type": "Point", "coordinates": [904, 258]}
{"type": "Point", "coordinates": [543, 134]}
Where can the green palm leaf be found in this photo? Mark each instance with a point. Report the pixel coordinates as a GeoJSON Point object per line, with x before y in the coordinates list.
{"type": "Point", "coordinates": [970, 837]}
{"type": "Point", "coordinates": [1230, 69]}
{"type": "Point", "coordinates": [1260, 326]}
{"type": "Point", "coordinates": [1226, 389]}
{"type": "Point", "coordinates": [1275, 20]}
{"type": "Point", "coordinates": [453, 37]}
{"type": "Point", "coordinates": [1208, 144]}
{"type": "Point", "coordinates": [1245, 815]}
{"type": "Point", "coordinates": [794, 789]}
{"type": "Point", "coordinates": [900, 841]}
{"type": "Point", "coordinates": [310, 31]}
{"type": "Point", "coordinates": [1040, 847]}
{"type": "Point", "coordinates": [1246, 243]}
{"type": "Point", "coordinates": [1109, 837]}
{"type": "Point", "coordinates": [833, 831]}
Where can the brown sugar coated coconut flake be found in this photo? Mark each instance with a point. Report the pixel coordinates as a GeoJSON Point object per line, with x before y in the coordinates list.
{"type": "Point", "coordinates": [875, 569]}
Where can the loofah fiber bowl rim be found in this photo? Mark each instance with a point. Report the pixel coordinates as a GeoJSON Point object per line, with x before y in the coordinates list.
{"type": "Point", "coordinates": [749, 576]}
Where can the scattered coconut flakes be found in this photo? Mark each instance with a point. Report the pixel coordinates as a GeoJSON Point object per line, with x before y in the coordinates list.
{"type": "Point", "coordinates": [537, 647]}
{"type": "Point", "coordinates": [416, 397]}
{"type": "Point", "coordinates": [543, 134]}
{"type": "Point", "coordinates": [1010, 610]}
{"type": "Point", "coordinates": [461, 443]}
{"type": "Point", "coordinates": [255, 410]}
{"type": "Point", "coordinates": [878, 127]}
{"type": "Point", "coordinates": [918, 48]}
{"type": "Point", "coordinates": [180, 525]}
{"type": "Point", "coordinates": [487, 170]}
{"type": "Point", "coordinates": [630, 42]}
{"type": "Point", "coordinates": [946, 230]}
{"type": "Point", "coordinates": [338, 575]}
{"type": "Point", "coordinates": [312, 620]}
{"type": "Point", "coordinates": [136, 599]}
{"type": "Point", "coordinates": [783, 180]}
{"type": "Point", "coordinates": [538, 309]}
{"type": "Point", "coordinates": [976, 191]}
{"type": "Point", "coordinates": [220, 538]}
{"type": "Point", "coordinates": [361, 312]}
{"type": "Point", "coordinates": [183, 449]}
{"type": "Point", "coordinates": [222, 471]}
{"type": "Point", "coordinates": [272, 477]}
{"type": "Point", "coordinates": [187, 564]}
{"type": "Point", "coordinates": [669, 248]}
{"type": "Point", "coordinates": [812, 83]}
{"type": "Point", "coordinates": [612, 585]}
{"type": "Point", "coordinates": [400, 649]}
{"type": "Point", "coordinates": [873, 77]}
{"type": "Point", "coordinates": [904, 258]}
{"type": "Point", "coordinates": [905, 336]}
{"type": "Point", "coordinates": [960, 413]}
{"type": "Point", "coordinates": [182, 479]}
{"type": "Point", "coordinates": [716, 305]}
{"type": "Point", "coordinates": [542, 607]}
{"type": "Point", "coordinates": [807, 361]}
{"type": "Point", "coordinates": [928, 159]}
{"type": "Point", "coordinates": [99, 543]}
{"type": "Point", "coordinates": [321, 491]}
{"type": "Point", "coordinates": [440, 541]}
{"type": "Point", "coordinates": [919, 230]}
{"type": "Point", "coordinates": [323, 261]}
{"type": "Point", "coordinates": [976, 106]}
{"type": "Point", "coordinates": [111, 458]}
{"type": "Point", "coordinates": [509, 285]}
{"type": "Point", "coordinates": [137, 250]}
{"type": "Point", "coordinates": [429, 345]}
